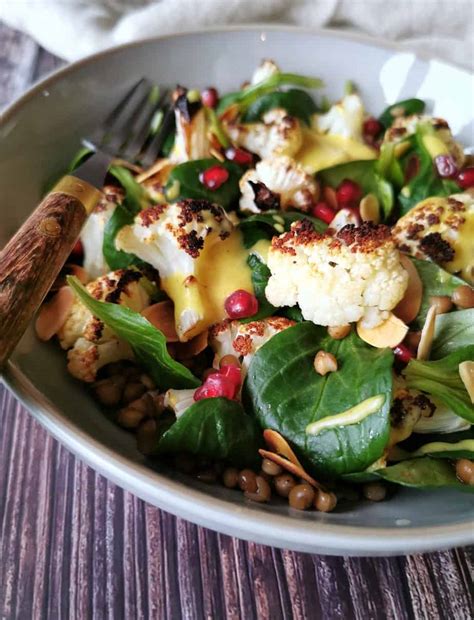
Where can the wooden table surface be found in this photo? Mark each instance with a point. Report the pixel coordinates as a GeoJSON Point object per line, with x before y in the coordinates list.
{"type": "Point", "coordinates": [73, 545]}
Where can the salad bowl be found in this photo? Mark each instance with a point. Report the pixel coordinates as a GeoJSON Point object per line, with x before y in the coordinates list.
{"type": "Point", "coordinates": [42, 131]}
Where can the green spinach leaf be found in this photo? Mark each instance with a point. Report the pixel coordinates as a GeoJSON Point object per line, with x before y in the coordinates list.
{"type": "Point", "coordinates": [217, 428]}
{"type": "Point", "coordinates": [267, 225]}
{"type": "Point", "coordinates": [147, 342]}
{"type": "Point", "coordinates": [286, 394]}
{"type": "Point", "coordinates": [436, 281]}
{"type": "Point", "coordinates": [124, 213]}
{"type": "Point", "coordinates": [296, 102]}
{"type": "Point", "coordinates": [187, 176]}
{"type": "Point", "coordinates": [452, 331]}
{"type": "Point", "coordinates": [424, 473]}
{"type": "Point", "coordinates": [407, 106]}
{"type": "Point", "coordinates": [364, 173]}
{"type": "Point", "coordinates": [441, 379]}
{"type": "Point", "coordinates": [260, 275]}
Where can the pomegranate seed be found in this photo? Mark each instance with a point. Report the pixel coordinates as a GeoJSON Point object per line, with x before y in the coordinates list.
{"type": "Point", "coordinates": [446, 166]}
{"type": "Point", "coordinates": [348, 193]}
{"type": "Point", "coordinates": [209, 97]}
{"type": "Point", "coordinates": [214, 177]}
{"type": "Point", "coordinates": [465, 178]}
{"type": "Point", "coordinates": [323, 211]}
{"type": "Point", "coordinates": [77, 251]}
{"type": "Point", "coordinates": [216, 385]}
{"type": "Point", "coordinates": [233, 373]}
{"type": "Point", "coordinates": [241, 304]}
{"type": "Point", "coordinates": [412, 169]}
{"type": "Point", "coordinates": [403, 353]}
{"type": "Point", "coordinates": [372, 127]}
{"type": "Point", "coordinates": [239, 156]}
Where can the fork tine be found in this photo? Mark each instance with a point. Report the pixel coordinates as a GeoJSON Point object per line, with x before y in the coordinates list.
{"type": "Point", "coordinates": [156, 143]}
{"type": "Point", "coordinates": [140, 129]}
{"type": "Point", "coordinates": [118, 121]}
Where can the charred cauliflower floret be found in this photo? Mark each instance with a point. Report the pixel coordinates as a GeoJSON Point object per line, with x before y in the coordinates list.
{"type": "Point", "coordinates": [191, 138]}
{"type": "Point", "coordinates": [345, 118]}
{"type": "Point", "coordinates": [244, 339]}
{"type": "Point", "coordinates": [90, 343]}
{"type": "Point", "coordinates": [92, 235]}
{"type": "Point", "coordinates": [438, 140]}
{"type": "Point", "coordinates": [277, 134]}
{"type": "Point", "coordinates": [336, 277]}
{"type": "Point", "coordinates": [442, 230]}
{"type": "Point", "coordinates": [277, 183]}
{"type": "Point", "coordinates": [266, 69]}
{"type": "Point", "coordinates": [174, 238]}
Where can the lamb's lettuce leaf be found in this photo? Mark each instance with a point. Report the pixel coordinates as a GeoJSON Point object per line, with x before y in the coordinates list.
{"type": "Point", "coordinates": [286, 394]}
{"type": "Point", "coordinates": [441, 379]}
{"type": "Point", "coordinates": [267, 225]}
{"type": "Point", "coordinates": [296, 102]}
{"type": "Point", "coordinates": [217, 428]}
{"type": "Point", "coordinates": [148, 342]}
{"type": "Point", "coordinates": [407, 107]}
{"type": "Point", "coordinates": [424, 473]}
{"type": "Point", "coordinates": [452, 331]}
{"type": "Point", "coordinates": [459, 445]}
{"type": "Point", "coordinates": [260, 274]}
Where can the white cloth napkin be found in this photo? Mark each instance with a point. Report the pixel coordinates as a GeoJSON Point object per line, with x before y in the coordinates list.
{"type": "Point", "coordinates": [74, 28]}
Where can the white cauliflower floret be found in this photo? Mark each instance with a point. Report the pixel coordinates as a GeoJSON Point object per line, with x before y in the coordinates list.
{"type": "Point", "coordinates": [92, 235]}
{"type": "Point", "coordinates": [244, 339]}
{"type": "Point", "coordinates": [442, 230]}
{"type": "Point", "coordinates": [192, 127]}
{"type": "Point", "coordinates": [174, 239]}
{"type": "Point", "coordinates": [92, 344]}
{"type": "Point", "coordinates": [290, 186]}
{"type": "Point", "coordinates": [345, 118]}
{"type": "Point", "coordinates": [439, 142]}
{"type": "Point", "coordinates": [278, 134]}
{"type": "Point", "coordinates": [336, 277]}
{"type": "Point", "coordinates": [266, 69]}
{"type": "Point", "coordinates": [179, 400]}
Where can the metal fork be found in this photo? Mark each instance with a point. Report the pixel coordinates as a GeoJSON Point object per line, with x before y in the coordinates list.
{"type": "Point", "coordinates": [32, 259]}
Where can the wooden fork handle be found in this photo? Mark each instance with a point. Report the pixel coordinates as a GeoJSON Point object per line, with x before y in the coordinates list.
{"type": "Point", "coordinates": [32, 259]}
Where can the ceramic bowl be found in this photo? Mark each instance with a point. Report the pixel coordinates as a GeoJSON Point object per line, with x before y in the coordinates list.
{"type": "Point", "coordinates": [39, 134]}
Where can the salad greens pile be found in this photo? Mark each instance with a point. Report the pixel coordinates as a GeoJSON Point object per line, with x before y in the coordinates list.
{"type": "Point", "coordinates": [280, 389]}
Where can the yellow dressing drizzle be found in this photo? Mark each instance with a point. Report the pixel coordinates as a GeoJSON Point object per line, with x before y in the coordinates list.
{"type": "Point", "coordinates": [354, 415]}
{"type": "Point", "coordinates": [443, 446]}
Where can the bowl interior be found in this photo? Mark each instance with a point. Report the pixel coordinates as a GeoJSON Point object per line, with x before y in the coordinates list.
{"type": "Point", "coordinates": [38, 137]}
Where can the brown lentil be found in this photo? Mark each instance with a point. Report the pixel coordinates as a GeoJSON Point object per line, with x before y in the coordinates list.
{"type": "Point", "coordinates": [283, 484]}
{"type": "Point", "coordinates": [301, 496]}
{"type": "Point", "coordinates": [325, 362]}
{"type": "Point", "coordinates": [132, 391]}
{"type": "Point", "coordinates": [271, 468]}
{"type": "Point", "coordinates": [229, 360]}
{"type": "Point", "coordinates": [147, 381]}
{"type": "Point", "coordinates": [129, 417]}
{"type": "Point", "coordinates": [146, 437]}
{"type": "Point", "coordinates": [230, 477]}
{"type": "Point", "coordinates": [185, 462]}
{"type": "Point", "coordinates": [339, 332]}
{"type": "Point", "coordinates": [374, 491]}
{"type": "Point", "coordinates": [248, 480]}
{"type": "Point", "coordinates": [325, 501]}
{"type": "Point", "coordinates": [465, 471]}
{"type": "Point", "coordinates": [463, 297]}
{"type": "Point", "coordinates": [109, 391]}
{"type": "Point", "coordinates": [207, 475]}
{"type": "Point", "coordinates": [442, 303]}
{"type": "Point", "coordinates": [263, 492]}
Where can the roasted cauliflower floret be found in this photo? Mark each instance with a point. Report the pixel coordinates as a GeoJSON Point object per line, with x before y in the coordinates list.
{"type": "Point", "coordinates": [92, 344]}
{"type": "Point", "coordinates": [336, 277]}
{"type": "Point", "coordinates": [191, 137]}
{"type": "Point", "coordinates": [442, 230]}
{"type": "Point", "coordinates": [266, 69]}
{"type": "Point", "coordinates": [278, 182]}
{"type": "Point", "coordinates": [438, 141]}
{"type": "Point", "coordinates": [345, 119]}
{"type": "Point", "coordinates": [174, 239]}
{"type": "Point", "coordinates": [179, 400]}
{"type": "Point", "coordinates": [92, 235]}
{"type": "Point", "coordinates": [244, 339]}
{"type": "Point", "coordinates": [277, 134]}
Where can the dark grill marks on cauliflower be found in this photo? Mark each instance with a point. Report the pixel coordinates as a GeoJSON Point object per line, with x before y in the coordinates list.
{"type": "Point", "coordinates": [264, 198]}
{"type": "Point", "coordinates": [191, 243]}
{"type": "Point", "coordinates": [437, 248]}
{"type": "Point", "coordinates": [401, 408]}
{"type": "Point", "coordinates": [152, 214]}
{"type": "Point", "coordinates": [110, 193]}
{"type": "Point", "coordinates": [192, 209]}
{"type": "Point", "coordinates": [364, 238]}
{"type": "Point", "coordinates": [126, 277]}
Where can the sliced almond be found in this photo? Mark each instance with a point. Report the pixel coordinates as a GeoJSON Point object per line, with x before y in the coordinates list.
{"type": "Point", "coordinates": [191, 348]}
{"type": "Point", "coordinates": [369, 208]}
{"type": "Point", "coordinates": [466, 372]}
{"type": "Point", "coordinates": [427, 335]}
{"type": "Point", "coordinates": [294, 469]}
{"type": "Point", "coordinates": [278, 444]}
{"type": "Point", "coordinates": [388, 334]}
{"type": "Point", "coordinates": [408, 307]}
{"type": "Point", "coordinates": [159, 166]}
{"type": "Point", "coordinates": [161, 315]}
{"type": "Point", "coordinates": [54, 313]}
